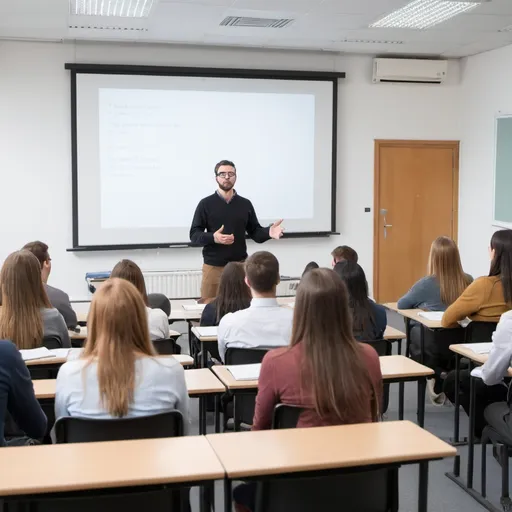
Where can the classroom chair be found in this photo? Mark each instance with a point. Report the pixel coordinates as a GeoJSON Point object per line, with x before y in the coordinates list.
{"type": "Point", "coordinates": [501, 440]}
{"type": "Point", "coordinates": [51, 342]}
{"type": "Point", "coordinates": [286, 416]}
{"type": "Point", "coordinates": [243, 401]}
{"type": "Point", "coordinates": [167, 346]}
{"type": "Point", "coordinates": [480, 332]}
{"type": "Point", "coordinates": [86, 430]}
{"type": "Point", "coordinates": [159, 301]}
{"type": "Point", "coordinates": [383, 348]}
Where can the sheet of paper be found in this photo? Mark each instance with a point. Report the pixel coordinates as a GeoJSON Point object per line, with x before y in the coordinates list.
{"type": "Point", "coordinates": [60, 352]}
{"type": "Point", "coordinates": [245, 371]}
{"type": "Point", "coordinates": [193, 307]}
{"type": "Point", "coordinates": [479, 348]}
{"type": "Point", "coordinates": [206, 331]}
{"type": "Point", "coordinates": [36, 353]}
{"type": "Point", "coordinates": [434, 316]}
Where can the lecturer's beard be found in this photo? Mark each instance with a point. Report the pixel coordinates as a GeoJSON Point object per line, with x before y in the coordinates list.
{"type": "Point", "coordinates": [226, 187]}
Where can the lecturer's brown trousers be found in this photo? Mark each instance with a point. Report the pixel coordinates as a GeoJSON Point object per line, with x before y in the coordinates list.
{"type": "Point", "coordinates": [210, 282]}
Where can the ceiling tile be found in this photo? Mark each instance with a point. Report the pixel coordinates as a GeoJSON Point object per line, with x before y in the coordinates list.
{"type": "Point", "coordinates": [214, 3]}
{"type": "Point", "coordinates": [474, 22]}
{"type": "Point", "coordinates": [298, 6]}
{"type": "Point", "coordinates": [494, 7]}
{"type": "Point", "coordinates": [373, 7]}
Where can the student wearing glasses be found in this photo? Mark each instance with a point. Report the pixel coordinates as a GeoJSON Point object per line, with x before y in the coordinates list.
{"type": "Point", "coordinates": [220, 224]}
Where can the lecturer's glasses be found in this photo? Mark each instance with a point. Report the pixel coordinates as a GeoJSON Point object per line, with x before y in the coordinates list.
{"type": "Point", "coordinates": [225, 175]}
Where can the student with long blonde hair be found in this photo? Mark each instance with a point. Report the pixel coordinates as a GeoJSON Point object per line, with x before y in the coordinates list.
{"type": "Point", "coordinates": [325, 371]}
{"type": "Point", "coordinates": [26, 315]}
{"type": "Point", "coordinates": [445, 280]}
{"type": "Point", "coordinates": [119, 374]}
{"type": "Point", "coordinates": [158, 321]}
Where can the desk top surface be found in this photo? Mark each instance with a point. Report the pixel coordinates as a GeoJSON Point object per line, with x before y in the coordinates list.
{"type": "Point", "coordinates": [270, 452]}
{"type": "Point", "coordinates": [199, 382]}
{"type": "Point", "coordinates": [183, 359]}
{"type": "Point", "coordinates": [392, 367]}
{"type": "Point", "coordinates": [390, 334]}
{"type": "Point", "coordinates": [81, 466]}
{"type": "Point", "coordinates": [413, 314]}
{"type": "Point", "coordinates": [469, 354]}
{"type": "Point", "coordinates": [82, 335]}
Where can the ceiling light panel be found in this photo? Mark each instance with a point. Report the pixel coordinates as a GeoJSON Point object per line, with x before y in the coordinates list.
{"type": "Point", "coordinates": [118, 8]}
{"type": "Point", "coordinates": [421, 14]}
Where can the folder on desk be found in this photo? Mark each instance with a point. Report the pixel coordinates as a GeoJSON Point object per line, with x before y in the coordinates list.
{"type": "Point", "coordinates": [36, 353]}
{"type": "Point", "coordinates": [194, 307]}
{"type": "Point", "coordinates": [245, 371]}
{"type": "Point", "coordinates": [479, 348]}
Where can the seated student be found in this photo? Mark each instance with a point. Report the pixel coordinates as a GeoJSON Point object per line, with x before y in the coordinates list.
{"type": "Point", "coordinates": [264, 324]}
{"type": "Point", "coordinates": [444, 283]}
{"type": "Point", "coordinates": [344, 253]}
{"type": "Point", "coordinates": [369, 320]}
{"type": "Point", "coordinates": [310, 266]}
{"type": "Point", "coordinates": [17, 397]}
{"type": "Point", "coordinates": [58, 299]}
{"type": "Point", "coordinates": [487, 298]}
{"type": "Point", "coordinates": [118, 374]}
{"type": "Point", "coordinates": [482, 301]}
{"type": "Point", "coordinates": [158, 321]}
{"type": "Point", "coordinates": [336, 380]}
{"type": "Point", "coordinates": [26, 315]}
{"type": "Point", "coordinates": [233, 295]}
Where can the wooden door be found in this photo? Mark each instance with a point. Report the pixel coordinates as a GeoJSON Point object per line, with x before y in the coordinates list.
{"type": "Point", "coordinates": [416, 196]}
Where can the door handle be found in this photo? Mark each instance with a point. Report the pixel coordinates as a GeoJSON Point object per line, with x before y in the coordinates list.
{"type": "Point", "coordinates": [388, 226]}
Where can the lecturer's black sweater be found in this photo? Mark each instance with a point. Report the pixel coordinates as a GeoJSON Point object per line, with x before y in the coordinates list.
{"type": "Point", "coordinates": [238, 218]}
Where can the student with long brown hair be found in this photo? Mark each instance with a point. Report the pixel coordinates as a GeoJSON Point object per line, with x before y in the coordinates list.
{"type": "Point", "coordinates": [26, 315]}
{"type": "Point", "coordinates": [118, 374]}
{"type": "Point", "coordinates": [335, 379]}
{"type": "Point", "coordinates": [233, 295]}
{"type": "Point", "coordinates": [158, 321]}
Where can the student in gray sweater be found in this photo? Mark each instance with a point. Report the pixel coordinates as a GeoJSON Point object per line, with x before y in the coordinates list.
{"type": "Point", "coordinates": [26, 315]}
{"type": "Point", "coordinates": [444, 284]}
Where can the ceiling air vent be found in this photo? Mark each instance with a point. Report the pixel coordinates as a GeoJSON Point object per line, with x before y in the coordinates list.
{"type": "Point", "coordinates": [245, 21]}
{"type": "Point", "coordinates": [106, 27]}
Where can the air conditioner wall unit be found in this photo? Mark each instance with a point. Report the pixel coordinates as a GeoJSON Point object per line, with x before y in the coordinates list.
{"type": "Point", "coordinates": [424, 71]}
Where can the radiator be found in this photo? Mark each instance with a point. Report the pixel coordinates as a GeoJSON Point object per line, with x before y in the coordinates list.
{"type": "Point", "coordinates": [186, 284]}
{"type": "Point", "coordinates": [174, 284]}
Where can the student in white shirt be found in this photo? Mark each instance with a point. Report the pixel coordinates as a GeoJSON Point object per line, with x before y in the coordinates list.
{"type": "Point", "coordinates": [264, 324]}
{"type": "Point", "coordinates": [118, 374]}
{"type": "Point", "coordinates": [157, 320]}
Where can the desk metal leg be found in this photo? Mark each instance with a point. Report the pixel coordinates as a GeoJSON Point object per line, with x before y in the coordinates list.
{"type": "Point", "coordinates": [227, 495]}
{"type": "Point", "coordinates": [422, 385]}
{"type": "Point", "coordinates": [401, 393]}
{"type": "Point", "coordinates": [399, 347]}
{"type": "Point", "coordinates": [423, 488]}
{"type": "Point", "coordinates": [422, 344]}
{"type": "Point", "coordinates": [204, 356]}
{"type": "Point", "coordinates": [456, 412]}
{"type": "Point", "coordinates": [206, 494]}
{"type": "Point", "coordinates": [202, 415]}
{"type": "Point", "coordinates": [471, 435]}
{"type": "Point", "coordinates": [407, 336]}
{"type": "Point", "coordinates": [217, 414]}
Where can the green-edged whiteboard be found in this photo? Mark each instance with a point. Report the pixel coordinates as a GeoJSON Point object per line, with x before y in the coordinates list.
{"type": "Point", "coordinates": [503, 173]}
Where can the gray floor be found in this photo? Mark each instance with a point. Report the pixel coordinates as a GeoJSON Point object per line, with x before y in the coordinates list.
{"type": "Point", "coordinates": [444, 495]}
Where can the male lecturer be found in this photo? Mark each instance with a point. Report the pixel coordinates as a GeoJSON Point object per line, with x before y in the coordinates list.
{"type": "Point", "coordinates": [219, 226]}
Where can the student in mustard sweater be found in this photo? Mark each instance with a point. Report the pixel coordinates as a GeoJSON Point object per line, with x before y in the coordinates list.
{"type": "Point", "coordinates": [484, 301]}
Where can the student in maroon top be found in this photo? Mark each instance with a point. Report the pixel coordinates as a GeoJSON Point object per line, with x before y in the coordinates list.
{"type": "Point", "coordinates": [336, 379]}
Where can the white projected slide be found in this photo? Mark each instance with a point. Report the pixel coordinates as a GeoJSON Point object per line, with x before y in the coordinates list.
{"type": "Point", "coordinates": [147, 147]}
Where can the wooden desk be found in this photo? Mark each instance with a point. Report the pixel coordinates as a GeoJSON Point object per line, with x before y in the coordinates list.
{"type": "Point", "coordinates": [279, 452]}
{"type": "Point", "coordinates": [82, 335]}
{"type": "Point", "coordinates": [183, 359]}
{"type": "Point", "coordinates": [394, 369]}
{"type": "Point", "coordinates": [413, 314]}
{"type": "Point", "coordinates": [200, 383]}
{"type": "Point", "coordinates": [114, 464]}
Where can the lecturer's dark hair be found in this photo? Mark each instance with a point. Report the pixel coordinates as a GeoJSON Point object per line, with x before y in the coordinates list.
{"type": "Point", "coordinates": [224, 162]}
{"type": "Point", "coordinates": [501, 265]}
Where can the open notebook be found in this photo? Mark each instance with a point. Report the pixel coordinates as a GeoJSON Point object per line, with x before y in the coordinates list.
{"type": "Point", "coordinates": [479, 348]}
{"type": "Point", "coordinates": [44, 353]}
{"type": "Point", "coordinates": [193, 307]}
{"type": "Point", "coordinates": [206, 331]}
{"type": "Point", "coordinates": [434, 316]}
{"type": "Point", "coordinates": [245, 371]}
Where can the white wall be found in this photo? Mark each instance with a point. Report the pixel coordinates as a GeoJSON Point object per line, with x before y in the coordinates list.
{"type": "Point", "coordinates": [486, 92]}
{"type": "Point", "coordinates": [35, 169]}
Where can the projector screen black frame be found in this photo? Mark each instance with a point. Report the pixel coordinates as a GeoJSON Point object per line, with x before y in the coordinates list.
{"type": "Point", "coordinates": [108, 69]}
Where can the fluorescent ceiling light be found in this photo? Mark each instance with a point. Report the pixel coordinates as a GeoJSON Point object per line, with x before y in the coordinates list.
{"type": "Point", "coordinates": [119, 8]}
{"type": "Point", "coordinates": [421, 14]}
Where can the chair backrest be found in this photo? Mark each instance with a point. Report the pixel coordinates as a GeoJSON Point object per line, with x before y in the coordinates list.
{"type": "Point", "coordinates": [86, 430]}
{"type": "Point", "coordinates": [51, 342]}
{"type": "Point", "coordinates": [159, 301]}
{"type": "Point", "coordinates": [166, 346]}
{"type": "Point", "coordinates": [382, 347]}
{"type": "Point", "coordinates": [286, 416]}
{"type": "Point", "coordinates": [244, 355]}
{"type": "Point", "coordinates": [347, 492]}
{"type": "Point", "coordinates": [477, 332]}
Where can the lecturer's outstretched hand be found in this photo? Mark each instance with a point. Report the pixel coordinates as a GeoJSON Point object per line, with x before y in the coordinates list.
{"type": "Point", "coordinates": [276, 231]}
{"type": "Point", "coordinates": [221, 238]}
